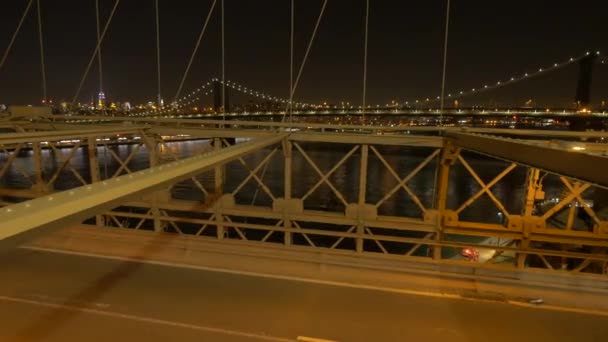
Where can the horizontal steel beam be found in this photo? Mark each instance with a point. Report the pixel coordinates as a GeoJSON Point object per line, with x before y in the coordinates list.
{"type": "Point", "coordinates": [582, 166]}
{"type": "Point", "coordinates": [62, 126]}
{"type": "Point", "coordinates": [371, 139]}
{"type": "Point", "coordinates": [192, 131]}
{"type": "Point", "coordinates": [20, 193]}
{"type": "Point", "coordinates": [310, 136]}
{"type": "Point", "coordinates": [369, 236]}
{"type": "Point", "coordinates": [231, 124]}
{"type": "Point", "coordinates": [396, 223]}
{"type": "Point", "coordinates": [204, 132]}
{"type": "Point", "coordinates": [30, 137]}
{"type": "Point", "coordinates": [530, 132]}
{"type": "Point", "coordinates": [80, 203]}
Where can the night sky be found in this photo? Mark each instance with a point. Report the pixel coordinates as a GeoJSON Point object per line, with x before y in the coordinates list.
{"type": "Point", "coordinates": [489, 41]}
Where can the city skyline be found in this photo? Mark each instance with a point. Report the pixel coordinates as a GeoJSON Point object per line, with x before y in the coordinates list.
{"type": "Point", "coordinates": [488, 43]}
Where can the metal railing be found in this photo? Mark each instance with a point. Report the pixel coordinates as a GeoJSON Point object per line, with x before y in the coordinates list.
{"type": "Point", "coordinates": [507, 220]}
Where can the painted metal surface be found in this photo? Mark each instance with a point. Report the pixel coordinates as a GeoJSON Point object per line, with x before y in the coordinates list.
{"type": "Point", "coordinates": [528, 240]}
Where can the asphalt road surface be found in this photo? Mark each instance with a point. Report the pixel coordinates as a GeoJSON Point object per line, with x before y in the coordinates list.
{"type": "Point", "coordinates": [56, 297]}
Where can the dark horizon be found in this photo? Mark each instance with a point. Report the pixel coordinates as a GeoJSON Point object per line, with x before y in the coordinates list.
{"type": "Point", "coordinates": [488, 42]}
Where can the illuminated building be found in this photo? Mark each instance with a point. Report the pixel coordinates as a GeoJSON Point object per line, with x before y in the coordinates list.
{"type": "Point", "coordinates": [101, 100]}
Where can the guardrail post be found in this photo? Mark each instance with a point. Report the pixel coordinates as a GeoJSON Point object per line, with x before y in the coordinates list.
{"type": "Point", "coordinates": [362, 197]}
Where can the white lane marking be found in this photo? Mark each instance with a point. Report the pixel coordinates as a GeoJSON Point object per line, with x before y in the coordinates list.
{"type": "Point", "coordinates": [144, 319]}
{"type": "Point", "coordinates": [49, 299]}
{"type": "Point", "coordinates": [312, 339]}
{"type": "Point", "coordinates": [322, 282]}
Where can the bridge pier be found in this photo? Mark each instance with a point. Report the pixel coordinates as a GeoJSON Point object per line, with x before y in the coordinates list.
{"type": "Point", "coordinates": [585, 76]}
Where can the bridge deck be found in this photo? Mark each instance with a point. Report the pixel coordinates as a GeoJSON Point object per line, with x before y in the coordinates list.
{"type": "Point", "coordinates": [58, 297]}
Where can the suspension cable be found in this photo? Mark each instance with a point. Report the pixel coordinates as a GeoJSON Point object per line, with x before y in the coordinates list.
{"type": "Point", "coordinates": [198, 42]}
{"type": "Point", "coordinates": [158, 52]}
{"type": "Point", "coordinates": [99, 51]}
{"type": "Point", "coordinates": [312, 39]}
{"type": "Point", "coordinates": [10, 44]}
{"type": "Point", "coordinates": [41, 39]}
{"type": "Point", "coordinates": [445, 61]}
{"type": "Point", "coordinates": [365, 61]}
{"type": "Point", "coordinates": [223, 66]}
{"type": "Point", "coordinates": [291, 47]}
{"type": "Point", "coordinates": [103, 34]}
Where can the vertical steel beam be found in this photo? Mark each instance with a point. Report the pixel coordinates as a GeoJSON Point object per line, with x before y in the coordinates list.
{"type": "Point", "coordinates": [219, 177]}
{"type": "Point", "coordinates": [94, 171]}
{"type": "Point", "coordinates": [40, 185]}
{"type": "Point", "coordinates": [449, 155]}
{"type": "Point", "coordinates": [532, 187]}
{"type": "Point", "coordinates": [362, 197]}
{"type": "Point", "coordinates": [151, 146]}
{"type": "Point", "coordinates": [219, 170]}
{"type": "Point", "coordinates": [571, 214]}
{"type": "Point", "coordinates": [287, 153]}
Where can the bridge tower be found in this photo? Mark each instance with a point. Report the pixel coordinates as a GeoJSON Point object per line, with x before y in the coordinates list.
{"type": "Point", "coordinates": [217, 97]}
{"type": "Point", "coordinates": [583, 88]}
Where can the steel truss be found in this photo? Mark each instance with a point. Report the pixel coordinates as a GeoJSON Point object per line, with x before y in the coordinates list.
{"type": "Point", "coordinates": [540, 233]}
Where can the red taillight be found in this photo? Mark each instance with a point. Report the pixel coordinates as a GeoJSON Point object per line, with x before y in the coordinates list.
{"type": "Point", "coordinates": [470, 253]}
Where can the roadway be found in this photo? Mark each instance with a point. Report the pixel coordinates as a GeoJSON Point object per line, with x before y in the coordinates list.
{"type": "Point", "coordinates": [58, 297]}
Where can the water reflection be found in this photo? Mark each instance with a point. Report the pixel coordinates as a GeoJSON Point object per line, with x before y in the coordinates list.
{"type": "Point", "coordinates": [345, 178]}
